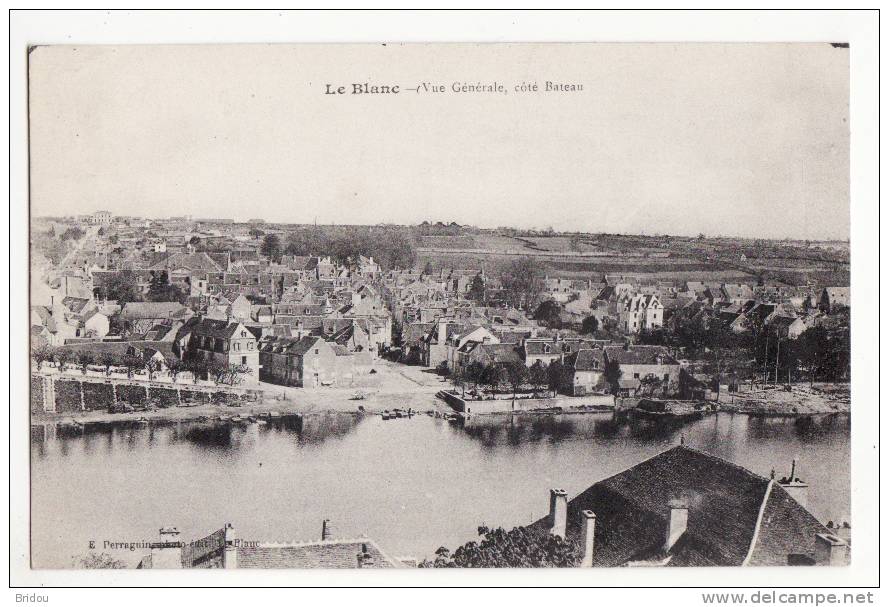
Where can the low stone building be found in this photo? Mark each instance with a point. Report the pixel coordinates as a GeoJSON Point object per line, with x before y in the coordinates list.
{"type": "Point", "coordinates": [640, 362]}
{"type": "Point", "coordinates": [308, 362]}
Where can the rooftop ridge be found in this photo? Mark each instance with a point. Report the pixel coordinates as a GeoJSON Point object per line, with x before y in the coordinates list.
{"type": "Point", "coordinates": [756, 528]}
{"type": "Point", "coordinates": [304, 543]}
{"type": "Point", "coordinates": [679, 447]}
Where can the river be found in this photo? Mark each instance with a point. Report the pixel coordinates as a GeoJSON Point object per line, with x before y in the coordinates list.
{"type": "Point", "coordinates": [411, 484]}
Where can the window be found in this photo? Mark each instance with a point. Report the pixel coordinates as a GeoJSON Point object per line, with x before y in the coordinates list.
{"type": "Point", "coordinates": [243, 333]}
{"type": "Point", "coordinates": [249, 345]}
{"type": "Point", "coordinates": [237, 345]}
{"type": "Point", "coordinates": [635, 376]}
{"type": "Point", "coordinates": [666, 377]}
{"type": "Point", "coordinates": [316, 352]}
{"type": "Point", "coordinates": [243, 360]}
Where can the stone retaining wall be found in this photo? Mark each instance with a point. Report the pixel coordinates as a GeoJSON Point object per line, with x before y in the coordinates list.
{"type": "Point", "coordinates": [75, 395]}
{"type": "Point", "coordinates": [37, 394]}
{"type": "Point", "coordinates": [508, 405]}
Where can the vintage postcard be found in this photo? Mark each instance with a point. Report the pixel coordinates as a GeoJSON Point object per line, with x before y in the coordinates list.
{"type": "Point", "coordinates": [420, 306]}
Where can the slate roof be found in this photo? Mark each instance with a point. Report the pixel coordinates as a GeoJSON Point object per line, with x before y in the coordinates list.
{"type": "Point", "coordinates": [639, 355]}
{"type": "Point", "coordinates": [724, 501]}
{"type": "Point", "coordinates": [75, 304]}
{"type": "Point", "coordinates": [152, 309]}
{"type": "Point", "coordinates": [413, 333]}
{"type": "Point", "coordinates": [211, 327]}
{"type": "Point", "coordinates": [498, 354]}
{"type": "Point", "coordinates": [119, 349]}
{"type": "Point", "coordinates": [289, 345]}
{"type": "Point", "coordinates": [190, 261]}
{"type": "Point", "coordinates": [586, 360]}
{"type": "Point", "coordinates": [328, 554]}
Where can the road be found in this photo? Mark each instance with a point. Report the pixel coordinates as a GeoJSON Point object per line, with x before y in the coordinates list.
{"type": "Point", "coordinates": [41, 292]}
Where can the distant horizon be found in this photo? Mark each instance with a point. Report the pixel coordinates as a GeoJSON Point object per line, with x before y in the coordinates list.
{"type": "Point", "coordinates": [448, 223]}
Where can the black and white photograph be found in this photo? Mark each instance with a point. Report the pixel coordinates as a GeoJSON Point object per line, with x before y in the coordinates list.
{"type": "Point", "coordinates": [422, 306]}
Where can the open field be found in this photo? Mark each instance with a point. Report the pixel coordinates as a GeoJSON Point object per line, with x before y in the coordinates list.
{"type": "Point", "coordinates": [656, 268]}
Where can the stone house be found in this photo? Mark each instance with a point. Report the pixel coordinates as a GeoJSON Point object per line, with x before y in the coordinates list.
{"type": "Point", "coordinates": [308, 362]}
{"type": "Point", "coordinates": [220, 341]}
{"type": "Point", "coordinates": [584, 373]}
{"type": "Point", "coordinates": [639, 362]}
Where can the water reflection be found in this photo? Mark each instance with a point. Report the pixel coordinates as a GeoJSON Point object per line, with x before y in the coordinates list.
{"type": "Point", "coordinates": [412, 484]}
{"type": "Point", "coordinates": [214, 435]}
{"type": "Point", "coordinates": [497, 430]}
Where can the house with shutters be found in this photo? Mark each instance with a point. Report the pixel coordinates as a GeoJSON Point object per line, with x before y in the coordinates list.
{"type": "Point", "coordinates": [636, 363]}
{"type": "Point", "coordinates": [220, 341]}
{"type": "Point", "coordinates": [583, 373]}
{"type": "Point", "coordinates": [306, 362]}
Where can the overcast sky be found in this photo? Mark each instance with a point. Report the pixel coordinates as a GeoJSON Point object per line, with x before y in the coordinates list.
{"type": "Point", "coordinates": [739, 139]}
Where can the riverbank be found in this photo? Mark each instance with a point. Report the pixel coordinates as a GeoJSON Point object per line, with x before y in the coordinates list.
{"type": "Point", "coordinates": [407, 387]}
{"type": "Point", "coordinates": [800, 400]}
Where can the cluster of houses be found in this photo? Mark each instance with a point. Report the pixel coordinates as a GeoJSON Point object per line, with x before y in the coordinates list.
{"type": "Point", "coordinates": [310, 321]}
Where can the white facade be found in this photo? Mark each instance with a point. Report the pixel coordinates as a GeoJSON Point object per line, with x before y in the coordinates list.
{"type": "Point", "coordinates": [641, 312]}
{"type": "Point", "coordinates": [101, 217]}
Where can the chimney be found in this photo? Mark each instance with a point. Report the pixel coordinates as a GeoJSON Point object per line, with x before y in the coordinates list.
{"type": "Point", "coordinates": [326, 530]}
{"type": "Point", "coordinates": [167, 553]}
{"type": "Point", "coordinates": [558, 511]}
{"type": "Point", "coordinates": [588, 539]}
{"type": "Point", "coordinates": [796, 488]}
{"type": "Point", "coordinates": [678, 522]}
{"type": "Point", "coordinates": [442, 331]}
{"type": "Point", "coordinates": [169, 534]}
{"type": "Point", "coordinates": [230, 552]}
{"type": "Point", "coordinates": [365, 559]}
{"type": "Point", "coordinates": [831, 550]}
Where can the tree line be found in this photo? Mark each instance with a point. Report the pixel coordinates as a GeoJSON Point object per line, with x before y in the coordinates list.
{"type": "Point", "coordinates": [760, 354]}
{"type": "Point", "coordinates": [390, 248]}
{"type": "Point", "coordinates": [229, 374]}
{"type": "Point", "coordinates": [511, 375]}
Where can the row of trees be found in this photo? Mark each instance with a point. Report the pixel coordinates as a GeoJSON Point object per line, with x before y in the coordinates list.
{"type": "Point", "coordinates": [818, 354]}
{"type": "Point", "coordinates": [391, 249]}
{"type": "Point", "coordinates": [221, 373]}
{"type": "Point", "coordinates": [512, 375]}
{"type": "Point", "coordinates": [539, 376]}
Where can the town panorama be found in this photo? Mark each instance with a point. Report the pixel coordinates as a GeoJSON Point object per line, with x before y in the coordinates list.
{"type": "Point", "coordinates": [212, 340]}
